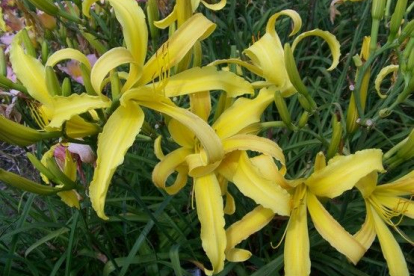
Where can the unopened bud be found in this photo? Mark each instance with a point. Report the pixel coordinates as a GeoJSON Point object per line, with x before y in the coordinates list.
{"type": "Point", "coordinates": [303, 120]}
{"type": "Point", "coordinates": [406, 32]}
{"type": "Point", "coordinates": [3, 63]}
{"type": "Point", "coordinates": [152, 16]}
{"type": "Point", "coordinates": [66, 87]}
{"type": "Point", "coordinates": [46, 6]}
{"type": "Point", "coordinates": [283, 110]}
{"type": "Point", "coordinates": [378, 9]}
{"type": "Point", "coordinates": [336, 137]}
{"type": "Point", "coordinates": [52, 82]}
{"type": "Point", "coordinates": [406, 151]}
{"type": "Point", "coordinates": [396, 19]}
{"type": "Point", "coordinates": [14, 180]}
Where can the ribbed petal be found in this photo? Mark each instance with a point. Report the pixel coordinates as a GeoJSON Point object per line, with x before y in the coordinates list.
{"type": "Point", "coordinates": [117, 136]}
{"type": "Point", "coordinates": [296, 256]}
{"type": "Point", "coordinates": [333, 232]}
{"type": "Point", "coordinates": [237, 117]}
{"type": "Point", "coordinates": [168, 165]}
{"type": "Point", "coordinates": [382, 75]}
{"type": "Point", "coordinates": [343, 172]}
{"type": "Point", "coordinates": [205, 79]}
{"type": "Point", "coordinates": [263, 191]}
{"type": "Point", "coordinates": [244, 228]}
{"type": "Point", "coordinates": [400, 187]}
{"type": "Point", "coordinates": [181, 134]}
{"type": "Point", "coordinates": [77, 127]}
{"type": "Point", "coordinates": [215, 7]}
{"type": "Point", "coordinates": [367, 184]}
{"type": "Point", "coordinates": [269, 170]}
{"type": "Point", "coordinates": [210, 213]}
{"type": "Point", "coordinates": [173, 50]}
{"type": "Point", "coordinates": [200, 104]}
{"type": "Point", "coordinates": [390, 248]}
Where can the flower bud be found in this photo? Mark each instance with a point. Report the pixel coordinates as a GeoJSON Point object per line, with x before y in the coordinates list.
{"type": "Point", "coordinates": [86, 76]}
{"type": "Point", "coordinates": [52, 82]}
{"type": "Point", "coordinates": [3, 63]}
{"type": "Point", "coordinates": [336, 137]}
{"type": "Point", "coordinates": [14, 180]}
{"type": "Point", "coordinates": [30, 50]}
{"type": "Point", "coordinates": [378, 9]}
{"type": "Point", "coordinates": [66, 87]}
{"type": "Point", "coordinates": [303, 120]}
{"type": "Point", "coordinates": [45, 52]}
{"type": "Point", "coordinates": [396, 19]}
{"type": "Point", "coordinates": [283, 110]}
{"type": "Point", "coordinates": [152, 16]}
{"type": "Point", "coordinates": [406, 31]}
{"type": "Point", "coordinates": [406, 151]}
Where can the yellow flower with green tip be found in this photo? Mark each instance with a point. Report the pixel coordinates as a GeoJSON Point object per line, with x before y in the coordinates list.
{"type": "Point", "coordinates": [149, 84]}
{"type": "Point", "coordinates": [232, 165]}
{"type": "Point", "coordinates": [384, 203]}
{"type": "Point", "coordinates": [340, 175]}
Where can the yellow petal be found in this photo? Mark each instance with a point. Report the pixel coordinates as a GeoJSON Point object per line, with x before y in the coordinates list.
{"type": "Point", "coordinates": [205, 79]}
{"type": "Point", "coordinates": [263, 191]}
{"type": "Point", "coordinates": [2, 23]}
{"type": "Point", "coordinates": [86, 4]}
{"type": "Point", "coordinates": [205, 134]}
{"type": "Point", "coordinates": [296, 256]}
{"type": "Point", "coordinates": [65, 108]}
{"type": "Point", "coordinates": [237, 117]}
{"type": "Point", "coordinates": [400, 187]}
{"type": "Point", "coordinates": [320, 162]}
{"type": "Point", "coordinates": [230, 207]}
{"type": "Point", "coordinates": [181, 134]}
{"type": "Point", "coordinates": [77, 127]}
{"type": "Point", "coordinates": [109, 61]}
{"type": "Point", "coordinates": [297, 23]}
{"type": "Point", "coordinates": [333, 232]}
{"type": "Point", "coordinates": [70, 198]}
{"type": "Point", "coordinates": [210, 213]}
{"type": "Point", "coordinates": [229, 165]}
{"type": "Point", "coordinates": [200, 104]}
{"type": "Point", "coordinates": [173, 50]}
{"type": "Point", "coordinates": [269, 170]}
{"type": "Point", "coordinates": [244, 228]}
{"type": "Point", "coordinates": [117, 136]}
{"type": "Point", "coordinates": [216, 6]}
{"type": "Point", "coordinates": [68, 53]}
{"type": "Point", "coordinates": [269, 56]}
{"type": "Point", "coordinates": [246, 142]}
{"type": "Point", "coordinates": [134, 27]}
{"type": "Point", "coordinates": [367, 184]}
{"type": "Point", "coordinates": [343, 172]}
{"type": "Point", "coordinates": [333, 44]}
{"type": "Point", "coordinates": [158, 149]}
{"type": "Point", "coordinates": [382, 75]}
{"type": "Point", "coordinates": [238, 255]}
{"type": "Point", "coordinates": [390, 248]}
{"type": "Point", "coordinates": [168, 165]}
{"type": "Point", "coordinates": [366, 235]}
{"type": "Point", "coordinates": [198, 166]}
{"type": "Point", "coordinates": [29, 71]}
{"type": "Point", "coordinates": [167, 21]}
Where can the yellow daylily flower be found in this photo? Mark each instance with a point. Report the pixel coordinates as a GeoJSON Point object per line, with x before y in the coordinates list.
{"type": "Point", "coordinates": [233, 165]}
{"type": "Point", "coordinates": [384, 203]}
{"type": "Point", "coordinates": [341, 174]}
{"type": "Point", "coordinates": [267, 53]}
{"type": "Point", "coordinates": [149, 84]}
{"type": "Point", "coordinates": [54, 111]}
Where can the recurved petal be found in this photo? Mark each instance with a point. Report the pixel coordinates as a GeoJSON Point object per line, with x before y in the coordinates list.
{"type": "Point", "coordinates": [244, 228]}
{"type": "Point", "coordinates": [237, 116]}
{"type": "Point", "coordinates": [168, 165]}
{"type": "Point", "coordinates": [390, 248]}
{"type": "Point", "coordinates": [167, 21]}
{"type": "Point", "coordinates": [117, 136]}
{"type": "Point", "coordinates": [333, 232]}
{"type": "Point", "coordinates": [109, 61]}
{"type": "Point", "coordinates": [382, 75]}
{"type": "Point", "coordinates": [68, 53]}
{"type": "Point", "coordinates": [29, 71]}
{"type": "Point", "coordinates": [263, 191]}
{"type": "Point", "coordinates": [252, 68]}
{"type": "Point", "coordinates": [210, 213]}
{"type": "Point", "coordinates": [333, 44]}
{"type": "Point", "coordinates": [343, 172]}
{"type": "Point", "coordinates": [65, 108]}
{"type": "Point", "coordinates": [297, 23]}
{"type": "Point", "coordinates": [297, 261]}
{"type": "Point", "coordinates": [215, 7]}
{"type": "Point", "coordinates": [205, 79]}
{"type": "Point", "coordinates": [196, 28]}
